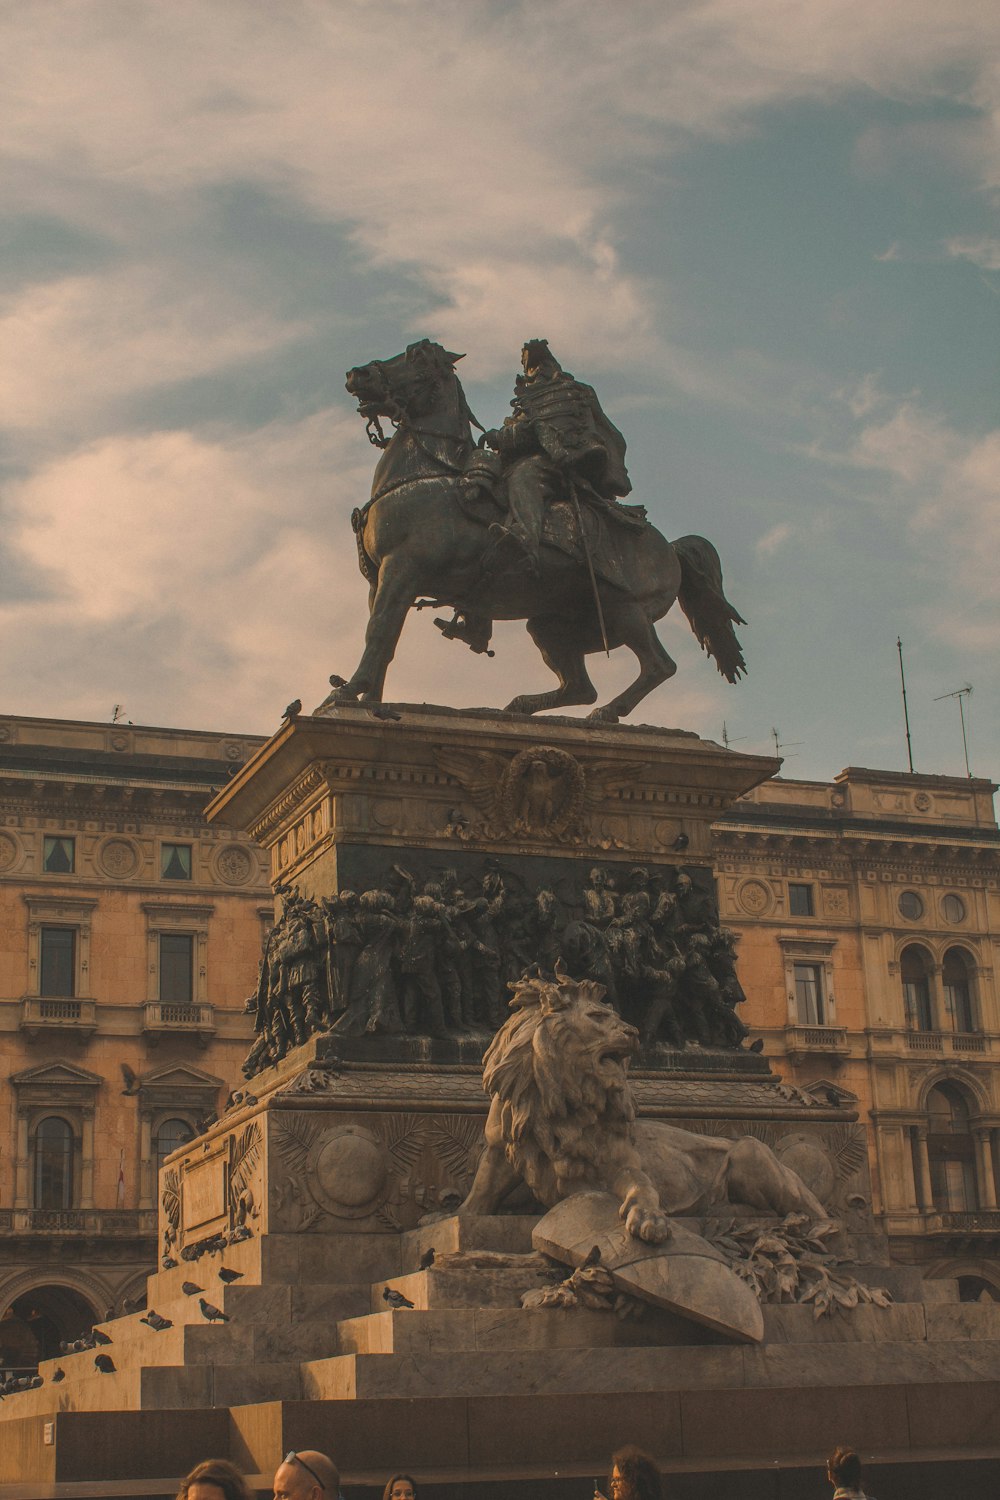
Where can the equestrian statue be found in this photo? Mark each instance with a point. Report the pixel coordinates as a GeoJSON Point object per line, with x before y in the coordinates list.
{"type": "Point", "coordinates": [528, 524]}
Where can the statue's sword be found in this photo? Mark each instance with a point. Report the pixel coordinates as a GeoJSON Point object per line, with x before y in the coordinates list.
{"type": "Point", "coordinates": [590, 562]}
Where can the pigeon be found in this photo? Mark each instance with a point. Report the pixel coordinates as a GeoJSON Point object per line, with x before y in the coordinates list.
{"type": "Point", "coordinates": [240, 1234]}
{"type": "Point", "coordinates": [757, 1046]}
{"type": "Point", "coordinates": [36, 1382]}
{"type": "Point", "coordinates": [189, 1288]}
{"type": "Point", "coordinates": [394, 1298]}
{"type": "Point", "coordinates": [212, 1313]}
{"type": "Point", "coordinates": [130, 1081]}
{"type": "Point", "coordinates": [100, 1337]}
{"type": "Point", "coordinates": [293, 710]}
{"type": "Point", "coordinates": [383, 711]}
{"type": "Point", "coordinates": [58, 1374]}
{"type": "Point", "coordinates": [105, 1364]}
{"type": "Point", "coordinates": [681, 841]}
{"type": "Point", "coordinates": [593, 1258]}
{"type": "Point", "coordinates": [427, 1259]}
{"type": "Point", "coordinates": [168, 1263]}
{"type": "Point", "coordinates": [336, 681]}
{"type": "Point", "coordinates": [227, 1276]}
{"type": "Point", "coordinates": [155, 1322]}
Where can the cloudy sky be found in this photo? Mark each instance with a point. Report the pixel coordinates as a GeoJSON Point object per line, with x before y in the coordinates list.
{"type": "Point", "coordinates": [765, 230]}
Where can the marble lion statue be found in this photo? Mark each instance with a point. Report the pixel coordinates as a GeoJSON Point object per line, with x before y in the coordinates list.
{"type": "Point", "coordinates": [562, 1120]}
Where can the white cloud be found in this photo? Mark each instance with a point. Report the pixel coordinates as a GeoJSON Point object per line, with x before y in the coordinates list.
{"type": "Point", "coordinates": [768, 544]}
{"type": "Point", "coordinates": [982, 250]}
{"type": "Point", "coordinates": [70, 349]}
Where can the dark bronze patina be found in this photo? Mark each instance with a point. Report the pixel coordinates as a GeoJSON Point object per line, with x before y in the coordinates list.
{"type": "Point", "coordinates": [527, 526]}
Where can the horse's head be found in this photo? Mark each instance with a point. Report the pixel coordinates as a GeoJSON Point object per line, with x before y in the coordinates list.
{"type": "Point", "coordinates": [406, 386]}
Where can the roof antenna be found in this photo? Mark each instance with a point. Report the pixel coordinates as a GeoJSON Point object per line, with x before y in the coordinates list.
{"type": "Point", "coordinates": [960, 693]}
{"type": "Point", "coordinates": [906, 716]}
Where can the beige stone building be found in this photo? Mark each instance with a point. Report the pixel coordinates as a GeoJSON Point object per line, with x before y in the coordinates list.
{"type": "Point", "coordinates": [869, 916]}
{"type": "Point", "coordinates": [129, 938]}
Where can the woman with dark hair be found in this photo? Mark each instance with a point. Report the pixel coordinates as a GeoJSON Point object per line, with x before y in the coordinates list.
{"type": "Point", "coordinates": [843, 1469]}
{"type": "Point", "coordinates": [400, 1487]}
{"type": "Point", "coordinates": [215, 1479]}
{"type": "Point", "coordinates": [634, 1476]}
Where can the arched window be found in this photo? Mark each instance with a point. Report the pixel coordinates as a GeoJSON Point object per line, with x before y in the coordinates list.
{"type": "Point", "coordinates": [951, 1149]}
{"type": "Point", "coordinates": [54, 1153]}
{"type": "Point", "coordinates": [171, 1135]}
{"type": "Point", "coordinates": [915, 972]}
{"type": "Point", "coordinates": [956, 975]}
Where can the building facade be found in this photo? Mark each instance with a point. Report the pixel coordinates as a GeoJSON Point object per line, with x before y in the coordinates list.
{"type": "Point", "coordinates": [869, 920]}
{"type": "Point", "coordinates": [129, 938]}
{"type": "Point", "coordinates": [868, 917]}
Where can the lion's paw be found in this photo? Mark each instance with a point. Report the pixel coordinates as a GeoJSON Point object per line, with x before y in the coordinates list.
{"type": "Point", "coordinates": [649, 1224]}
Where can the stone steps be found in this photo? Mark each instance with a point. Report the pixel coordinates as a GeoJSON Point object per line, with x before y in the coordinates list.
{"type": "Point", "coordinates": [641, 1371]}
{"type": "Point", "coordinates": [446, 1330]}
{"type": "Point", "coordinates": [460, 1286]}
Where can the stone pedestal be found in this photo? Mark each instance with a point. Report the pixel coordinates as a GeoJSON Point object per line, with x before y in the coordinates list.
{"type": "Point", "coordinates": [334, 799]}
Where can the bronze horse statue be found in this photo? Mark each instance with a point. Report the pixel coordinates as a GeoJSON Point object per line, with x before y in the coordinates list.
{"type": "Point", "coordinates": [421, 539]}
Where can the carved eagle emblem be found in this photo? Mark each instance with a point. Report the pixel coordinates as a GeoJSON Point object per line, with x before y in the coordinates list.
{"type": "Point", "coordinates": [540, 791]}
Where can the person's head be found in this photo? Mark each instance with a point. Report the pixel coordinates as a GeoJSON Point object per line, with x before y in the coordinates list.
{"type": "Point", "coordinates": [215, 1480]}
{"type": "Point", "coordinates": [400, 1487]}
{"type": "Point", "coordinates": [306, 1475]}
{"type": "Point", "coordinates": [634, 1476]}
{"type": "Point", "coordinates": [843, 1469]}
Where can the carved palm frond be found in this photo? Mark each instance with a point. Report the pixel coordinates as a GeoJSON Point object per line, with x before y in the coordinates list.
{"type": "Point", "coordinates": [294, 1139]}
{"type": "Point", "coordinates": [246, 1154]}
{"type": "Point", "coordinates": [458, 1141]}
{"type": "Point", "coordinates": [848, 1149]}
{"type": "Point", "coordinates": [403, 1143]}
{"type": "Point", "coordinates": [171, 1197]}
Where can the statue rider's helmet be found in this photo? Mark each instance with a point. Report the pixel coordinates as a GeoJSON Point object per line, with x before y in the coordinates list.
{"type": "Point", "coordinates": [536, 355]}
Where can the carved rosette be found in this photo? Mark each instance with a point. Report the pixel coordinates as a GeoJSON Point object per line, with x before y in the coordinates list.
{"type": "Point", "coordinates": [382, 1172]}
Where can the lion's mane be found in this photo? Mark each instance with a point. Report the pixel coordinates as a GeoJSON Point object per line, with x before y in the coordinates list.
{"type": "Point", "coordinates": [563, 1117]}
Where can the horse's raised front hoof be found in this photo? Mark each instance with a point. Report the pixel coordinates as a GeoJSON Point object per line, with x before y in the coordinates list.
{"type": "Point", "coordinates": [605, 715]}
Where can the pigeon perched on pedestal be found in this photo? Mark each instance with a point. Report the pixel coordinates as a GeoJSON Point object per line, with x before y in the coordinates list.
{"type": "Point", "coordinates": [105, 1364]}
{"type": "Point", "coordinates": [155, 1322]}
{"type": "Point", "coordinates": [212, 1313]}
{"type": "Point", "coordinates": [191, 1288]}
{"type": "Point", "coordinates": [395, 1299]}
{"type": "Point", "coordinates": [226, 1275]}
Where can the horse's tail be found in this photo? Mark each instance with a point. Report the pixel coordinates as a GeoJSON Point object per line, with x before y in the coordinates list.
{"type": "Point", "coordinates": [709, 612]}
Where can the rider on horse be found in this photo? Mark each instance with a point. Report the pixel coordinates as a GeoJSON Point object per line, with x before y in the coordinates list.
{"type": "Point", "coordinates": [557, 439]}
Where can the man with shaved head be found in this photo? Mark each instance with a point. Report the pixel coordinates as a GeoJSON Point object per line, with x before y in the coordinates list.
{"type": "Point", "coordinates": [307, 1475]}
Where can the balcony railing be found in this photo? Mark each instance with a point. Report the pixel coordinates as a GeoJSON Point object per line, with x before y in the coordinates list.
{"type": "Point", "coordinates": [968, 1041]}
{"type": "Point", "coordinates": [91, 1221]}
{"type": "Point", "coordinates": [56, 1013]}
{"type": "Point", "coordinates": [981, 1221]}
{"type": "Point", "coordinates": [174, 1019]}
{"type": "Point", "coordinates": [828, 1039]}
{"type": "Point", "coordinates": [925, 1041]}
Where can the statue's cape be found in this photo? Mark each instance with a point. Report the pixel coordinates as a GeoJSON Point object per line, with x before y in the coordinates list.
{"type": "Point", "coordinates": [567, 418]}
{"type": "Point", "coordinates": [604, 529]}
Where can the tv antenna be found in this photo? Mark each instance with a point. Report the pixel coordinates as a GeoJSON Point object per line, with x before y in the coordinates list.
{"type": "Point", "coordinates": [728, 739]}
{"type": "Point", "coordinates": [780, 744]}
{"type": "Point", "coordinates": [117, 713]}
{"type": "Point", "coordinates": [960, 693]}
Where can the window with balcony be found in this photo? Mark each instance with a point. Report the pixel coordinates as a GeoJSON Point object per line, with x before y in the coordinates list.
{"type": "Point", "coordinates": [956, 976]}
{"type": "Point", "coordinates": [951, 1149]}
{"type": "Point", "coordinates": [57, 962]}
{"type": "Point", "coordinates": [176, 968]}
{"type": "Point", "coordinates": [800, 900]}
{"type": "Point", "coordinates": [175, 861]}
{"type": "Point", "coordinates": [809, 1005]}
{"type": "Point", "coordinates": [54, 1153]}
{"type": "Point", "coordinates": [58, 855]}
{"type": "Point", "coordinates": [171, 1135]}
{"type": "Point", "coordinates": [915, 968]}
